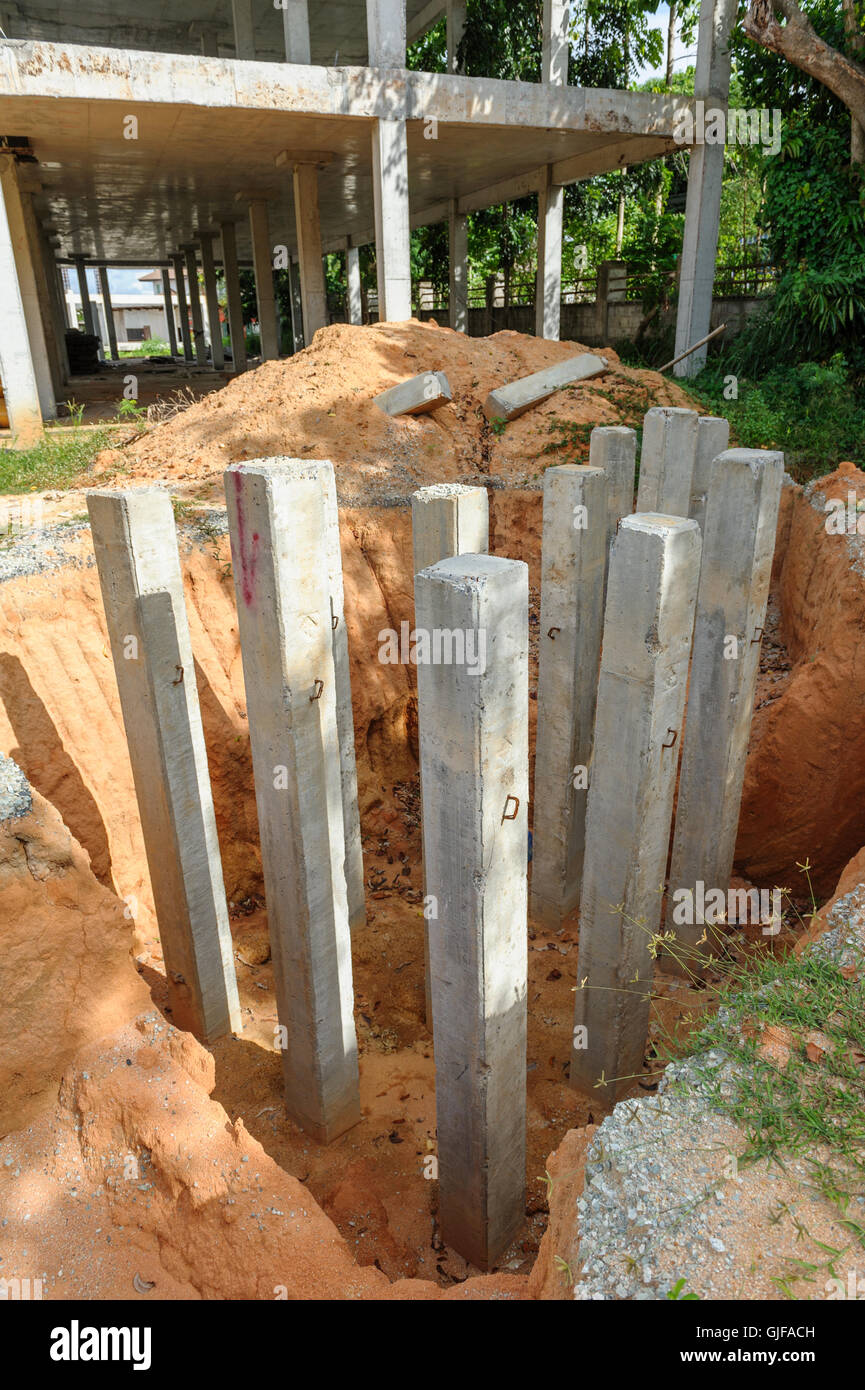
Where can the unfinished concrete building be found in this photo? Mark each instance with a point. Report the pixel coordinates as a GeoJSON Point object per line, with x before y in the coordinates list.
{"type": "Point", "coordinates": [267, 132]}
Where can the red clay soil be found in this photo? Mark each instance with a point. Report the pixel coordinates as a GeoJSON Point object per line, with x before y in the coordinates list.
{"type": "Point", "coordinates": [804, 796]}
{"type": "Point", "coordinates": [365, 1208]}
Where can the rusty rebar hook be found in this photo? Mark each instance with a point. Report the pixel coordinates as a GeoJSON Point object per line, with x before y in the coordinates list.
{"type": "Point", "coordinates": [516, 801]}
{"type": "Point", "coordinates": [317, 689]}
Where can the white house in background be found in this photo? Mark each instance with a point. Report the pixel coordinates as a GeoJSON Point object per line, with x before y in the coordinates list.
{"type": "Point", "coordinates": [137, 317]}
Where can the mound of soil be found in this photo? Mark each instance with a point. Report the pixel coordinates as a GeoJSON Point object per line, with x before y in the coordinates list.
{"type": "Point", "coordinates": [319, 404]}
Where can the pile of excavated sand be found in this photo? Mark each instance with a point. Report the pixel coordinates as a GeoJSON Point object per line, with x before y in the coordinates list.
{"type": "Point", "coordinates": [320, 404]}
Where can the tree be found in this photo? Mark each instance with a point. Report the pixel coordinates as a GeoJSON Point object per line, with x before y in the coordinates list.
{"type": "Point", "coordinates": [798, 42]}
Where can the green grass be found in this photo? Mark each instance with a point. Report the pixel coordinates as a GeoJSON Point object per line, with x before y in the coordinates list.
{"type": "Point", "coordinates": [58, 460]}
{"type": "Point", "coordinates": [813, 1106]}
{"type": "Point", "coordinates": [812, 411]}
{"type": "Point", "coordinates": [151, 347]}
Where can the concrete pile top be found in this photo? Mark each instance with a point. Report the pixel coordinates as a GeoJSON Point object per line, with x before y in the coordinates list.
{"type": "Point", "coordinates": [16, 801]}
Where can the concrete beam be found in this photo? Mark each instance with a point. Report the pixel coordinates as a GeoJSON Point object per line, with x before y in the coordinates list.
{"type": "Point", "coordinates": [105, 289]}
{"type": "Point", "coordinates": [428, 16]}
{"type": "Point", "coordinates": [392, 235]}
{"type": "Point", "coordinates": [168, 302]}
{"type": "Point", "coordinates": [740, 523]}
{"type": "Point", "coordinates": [199, 346]}
{"type": "Point", "coordinates": [667, 460]}
{"type": "Point", "coordinates": [386, 33]}
{"type": "Point", "coordinates": [211, 296]}
{"type": "Point", "coordinates": [705, 176]}
{"type": "Point", "coordinates": [548, 291]}
{"type": "Point", "coordinates": [354, 294]}
{"type": "Point", "coordinates": [554, 52]}
{"type": "Point", "coordinates": [507, 402]}
{"type": "Point", "coordinates": [713, 438]}
{"type": "Point", "coordinates": [652, 588]}
{"type": "Point", "coordinates": [458, 269]}
{"type": "Point", "coordinates": [474, 780]}
{"type": "Point", "coordinates": [574, 557]}
{"type": "Point", "coordinates": [234, 303]}
{"type": "Point", "coordinates": [262, 258]}
{"type": "Point", "coordinates": [136, 553]}
{"type": "Point", "coordinates": [182, 305]}
{"type": "Point", "coordinates": [17, 369]}
{"type": "Point", "coordinates": [417, 396]}
{"type": "Point", "coordinates": [42, 70]}
{"type": "Point", "coordinates": [313, 291]}
{"type": "Point", "coordinates": [295, 26]}
{"type": "Point", "coordinates": [614, 449]}
{"type": "Point", "coordinates": [277, 518]}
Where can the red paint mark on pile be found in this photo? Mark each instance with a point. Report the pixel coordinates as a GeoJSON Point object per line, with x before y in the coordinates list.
{"type": "Point", "coordinates": [248, 553]}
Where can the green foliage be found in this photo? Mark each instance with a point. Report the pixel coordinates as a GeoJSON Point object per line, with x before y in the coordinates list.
{"type": "Point", "coordinates": [676, 1295]}
{"type": "Point", "coordinates": [812, 411]}
{"type": "Point", "coordinates": [60, 457]}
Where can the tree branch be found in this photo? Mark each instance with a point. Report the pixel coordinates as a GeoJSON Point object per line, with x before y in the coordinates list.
{"type": "Point", "coordinates": [798, 42]}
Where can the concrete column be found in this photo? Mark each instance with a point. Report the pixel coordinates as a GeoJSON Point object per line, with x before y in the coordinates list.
{"type": "Point", "coordinates": [182, 307]}
{"type": "Point", "coordinates": [353, 285]}
{"type": "Point", "coordinates": [45, 281]}
{"type": "Point", "coordinates": [548, 290]}
{"type": "Point", "coordinates": [278, 523]}
{"type": "Point", "coordinates": [713, 437]}
{"type": "Point", "coordinates": [456, 27]}
{"type": "Point", "coordinates": [474, 779]}
{"type": "Point", "coordinates": [211, 295]}
{"type": "Point", "coordinates": [386, 29]}
{"type": "Point", "coordinates": [458, 293]}
{"type": "Point", "coordinates": [198, 344]}
{"type": "Point", "coordinates": [741, 518]}
{"type": "Point", "coordinates": [17, 368]}
{"type": "Point", "coordinates": [84, 296]}
{"type": "Point", "coordinates": [57, 310]}
{"type": "Point", "coordinates": [574, 555]}
{"type": "Point", "coordinates": [232, 296]}
{"type": "Point", "coordinates": [295, 26]}
{"type": "Point", "coordinates": [244, 30]}
{"type": "Point", "coordinates": [27, 286]}
{"type": "Point", "coordinates": [109, 312]}
{"type": "Point", "coordinates": [446, 519]}
{"type": "Point", "coordinates": [392, 233]}
{"type": "Point", "coordinates": [705, 175]}
{"type": "Point", "coordinates": [295, 305]}
{"type": "Point", "coordinates": [641, 696]}
{"type": "Point", "coordinates": [139, 572]}
{"type": "Point", "coordinates": [312, 287]}
{"type": "Point", "coordinates": [667, 460]}
{"type": "Point", "coordinates": [554, 61]}
{"type": "Point", "coordinates": [614, 449]}
{"type": "Point", "coordinates": [354, 878]}
{"type": "Point", "coordinates": [168, 304]}
{"type": "Point", "coordinates": [262, 259]}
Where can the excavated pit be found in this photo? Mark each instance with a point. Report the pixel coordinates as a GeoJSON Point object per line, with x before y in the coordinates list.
{"type": "Point", "coordinates": [60, 722]}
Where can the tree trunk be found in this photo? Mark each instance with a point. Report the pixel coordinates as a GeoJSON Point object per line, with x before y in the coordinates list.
{"type": "Point", "coordinates": [856, 40]}
{"type": "Point", "coordinates": [671, 43]}
{"type": "Point", "coordinates": [799, 43]}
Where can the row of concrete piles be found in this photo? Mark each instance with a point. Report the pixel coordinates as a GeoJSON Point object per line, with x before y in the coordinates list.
{"type": "Point", "coordinates": [630, 605]}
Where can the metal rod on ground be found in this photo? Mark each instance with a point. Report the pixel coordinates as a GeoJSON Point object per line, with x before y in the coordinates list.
{"type": "Point", "coordinates": [693, 348]}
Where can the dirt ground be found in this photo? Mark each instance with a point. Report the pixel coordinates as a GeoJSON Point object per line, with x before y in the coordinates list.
{"type": "Point", "coordinates": [60, 720]}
